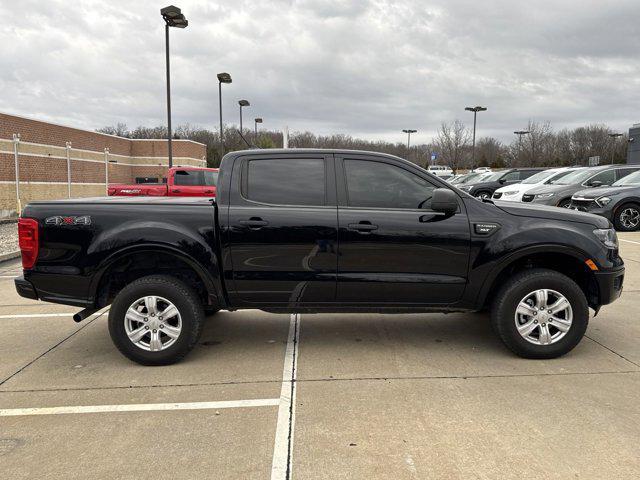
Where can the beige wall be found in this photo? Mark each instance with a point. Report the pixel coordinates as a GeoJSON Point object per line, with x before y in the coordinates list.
{"type": "Point", "coordinates": [42, 157]}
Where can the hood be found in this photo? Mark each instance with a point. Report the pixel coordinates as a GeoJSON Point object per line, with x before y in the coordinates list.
{"type": "Point", "coordinates": [481, 184]}
{"type": "Point", "coordinates": [593, 193]}
{"type": "Point", "coordinates": [518, 187]}
{"type": "Point", "coordinates": [554, 188]}
{"type": "Point", "coordinates": [551, 213]}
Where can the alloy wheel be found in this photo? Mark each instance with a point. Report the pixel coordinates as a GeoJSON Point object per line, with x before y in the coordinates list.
{"type": "Point", "coordinates": [543, 317]}
{"type": "Point", "coordinates": [153, 323]}
{"type": "Point", "coordinates": [630, 217]}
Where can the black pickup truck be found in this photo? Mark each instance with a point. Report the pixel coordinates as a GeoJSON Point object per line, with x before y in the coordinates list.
{"type": "Point", "coordinates": [319, 231]}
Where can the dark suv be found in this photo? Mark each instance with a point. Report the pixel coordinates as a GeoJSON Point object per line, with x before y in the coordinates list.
{"type": "Point", "coordinates": [558, 192]}
{"type": "Point", "coordinates": [620, 202]}
{"type": "Point", "coordinates": [490, 184]}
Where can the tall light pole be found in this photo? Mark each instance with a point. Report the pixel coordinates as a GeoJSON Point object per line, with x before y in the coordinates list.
{"type": "Point", "coordinates": [222, 78]}
{"type": "Point", "coordinates": [475, 111]}
{"type": "Point", "coordinates": [242, 103]}
{"type": "Point", "coordinates": [409, 131]}
{"type": "Point", "coordinates": [520, 133]}
{"type": "Point", "coordinates": [613, 144]}
{"type": "Point", "coordinates": [173, 17]}
{"type": "Point", "coordinates": [256, 121]}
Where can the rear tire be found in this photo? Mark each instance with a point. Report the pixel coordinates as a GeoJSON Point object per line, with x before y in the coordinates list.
{"type": "Point", "coordinates": [138, 328]}
{"type": "Point", "coordinates": [627, 218]}
{"type": "Point", "coordinates": [536, 333]}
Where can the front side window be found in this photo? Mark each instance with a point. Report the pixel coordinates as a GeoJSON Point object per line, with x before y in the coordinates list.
{"type": "Point", "coordinates": [631, 179]}
{"type": "Point", "coordinates": [279, 181]}
{"type": "Point", "coordinates": [605, 178]}
{"type": "Point", "coordinates": [511, 176]}
{"type": "Point", "coordinates": [381, 185]}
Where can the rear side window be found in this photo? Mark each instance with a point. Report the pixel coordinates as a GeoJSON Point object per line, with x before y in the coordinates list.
{"type": "Point", "coordinates": [375, 184]}
{"type": "Point", "coordinates": [280, 181]}
{"type": "Point", "coordinates": [193, 178]}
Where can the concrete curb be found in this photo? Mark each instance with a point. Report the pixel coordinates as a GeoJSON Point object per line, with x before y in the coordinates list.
{"type": "Point", "coordinates": [9, 256]}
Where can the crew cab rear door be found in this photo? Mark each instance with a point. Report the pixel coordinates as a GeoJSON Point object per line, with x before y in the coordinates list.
{"type": "Point", "coordinates": [282, 230]}
{"type": "Point", "coordinates": [192, 183]}
{"type": "Point", "coordinates": [393, 249]}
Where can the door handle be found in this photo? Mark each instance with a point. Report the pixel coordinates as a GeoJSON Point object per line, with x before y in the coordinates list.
{"type": "Point", "coordinates": [208, 191]}
{"type": "Point", "coordinates": [176, 190]}
{"type": "Point", "coordinates": [363, 227]}
{"type": "Point", "coordinates": [254, 223]}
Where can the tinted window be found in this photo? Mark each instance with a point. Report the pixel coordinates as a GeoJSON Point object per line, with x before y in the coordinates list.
{"type": "Point", "coordinates": [511, 176]}
{"type": "Point", "coordinates": [376, 184]}
{"type": "Point", "coordinates": [606, 178]}
{"type": "Point", "coordinates": [210, 178]}
{"type": "Point", "coordinates": [623, 172]}
{"type": "Point", "coordinates": [188, 177]}
{"type": "Point", "coordinates": [527, 173]}
{"type": "Point", "coordinates": [286, 181]}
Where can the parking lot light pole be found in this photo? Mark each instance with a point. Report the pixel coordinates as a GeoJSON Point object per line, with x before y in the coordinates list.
{"type": "Point", "coordinates": [173, 17]}
{"type": "Point", "coordinates": [520, 133]}
{"type": "Point", "coordinates": [242, 103]}
{"type": "Point", "coordinates": [613, 144]}
{"type": "Point", "coordinates": [475, 111]}
{"type": "Point", "coordinates": [409, 131]}
{"type": "Point", "coordinates": [256, 121]}
{"type": "Point", "coordinates": [222, 78]}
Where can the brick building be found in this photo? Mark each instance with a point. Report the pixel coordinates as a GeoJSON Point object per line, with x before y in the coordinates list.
{"type": "Point", "coordinates": [47, 153]}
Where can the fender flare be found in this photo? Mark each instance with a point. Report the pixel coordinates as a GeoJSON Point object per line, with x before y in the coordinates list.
{"type": "Point", "coordinates": [504, 263]}
{"type": "Point", "coordinates": [206, 277]}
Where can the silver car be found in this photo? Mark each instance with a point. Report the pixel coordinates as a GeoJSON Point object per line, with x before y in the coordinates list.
{"type": "Point", "coordinates": [558, 192]}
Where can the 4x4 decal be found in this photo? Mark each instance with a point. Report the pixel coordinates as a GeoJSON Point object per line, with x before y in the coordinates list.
{"type": "Point", "coordinates": [60, 220]}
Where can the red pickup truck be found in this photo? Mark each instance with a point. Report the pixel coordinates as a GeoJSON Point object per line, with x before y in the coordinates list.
{"type": "Point", "coordinates": [180, 182]}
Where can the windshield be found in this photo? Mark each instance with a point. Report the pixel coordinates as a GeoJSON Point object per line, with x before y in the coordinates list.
{"type": "Point", "coordinates": [573, 178]}
{"type": "Point", "coordinates": [466, 178]}
{"type": "Point", "coordinates": [492, 177]}
{"type": "Point", "coordinates": [539, 177]}
{"type": "Point", "coordinates": [631, 179]}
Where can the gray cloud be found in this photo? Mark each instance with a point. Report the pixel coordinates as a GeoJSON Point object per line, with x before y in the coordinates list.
{"type": "Point", "coordinates": [367, 68]}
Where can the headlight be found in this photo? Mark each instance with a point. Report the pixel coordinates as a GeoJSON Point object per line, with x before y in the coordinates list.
{"type": "Point", "coordinates": [545, 195]}
{"type": "Point", "coordinates": [607, 236]}
{"type": "Point", "coordinates": [602, 201]}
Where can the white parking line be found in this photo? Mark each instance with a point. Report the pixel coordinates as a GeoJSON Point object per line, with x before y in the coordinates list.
{"type": "Point", "coordinates": [143, 407]}
{"type": "Point", "coordinates": [628, 241]}
{"type": "Point", "coordinates": [9, 276]}
{"type": "Point", "coordinates": [38, 315]}
{"type": "Point", "coordinates": [283, 448]}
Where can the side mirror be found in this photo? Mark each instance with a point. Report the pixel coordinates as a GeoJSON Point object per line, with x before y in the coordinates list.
{"type": "Point", "coordinates": [444, 201]}
{"type": "Point", "coordinates": [502, 181]}
{"type": "Point", "coordinates": [596, 183]}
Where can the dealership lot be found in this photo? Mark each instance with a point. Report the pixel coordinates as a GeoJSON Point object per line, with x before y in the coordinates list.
{"type": "Point", "coordinates": [373, 396]}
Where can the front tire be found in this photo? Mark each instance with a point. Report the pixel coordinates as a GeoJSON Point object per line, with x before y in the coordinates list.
{"type": "Point", "coordinates": [627, 218]}
{"type": "Point", "coordinates": [483, 195]}
{"type": "Point", "coordinates": [156, 320]}
{"type": "Point", "coordinates": [540, 313]}
{"type": "Point", "coordinates": [566, 203]}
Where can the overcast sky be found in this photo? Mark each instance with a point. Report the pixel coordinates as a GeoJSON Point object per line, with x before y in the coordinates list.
{"type": "Point", "coordinates": [360, 67]}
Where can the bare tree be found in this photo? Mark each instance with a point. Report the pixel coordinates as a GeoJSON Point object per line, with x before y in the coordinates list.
{"type": "Point", "coordinates": [452, 142]}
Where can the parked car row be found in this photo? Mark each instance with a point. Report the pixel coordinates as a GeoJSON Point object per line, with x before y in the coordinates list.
{"type": "Point", "coordinates": [612, 191]}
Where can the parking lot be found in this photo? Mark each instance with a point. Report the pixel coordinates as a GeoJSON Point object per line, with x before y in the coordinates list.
{"type": "Point", "coordinates": [319, 396]}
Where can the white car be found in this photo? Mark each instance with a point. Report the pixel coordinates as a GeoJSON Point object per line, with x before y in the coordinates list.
{"type": "Point", "coordinates": [439, 170]}
{"type": "Point", "coordinates": [482, 170]}
{"type": "Point", "coordinates": [514, 193]}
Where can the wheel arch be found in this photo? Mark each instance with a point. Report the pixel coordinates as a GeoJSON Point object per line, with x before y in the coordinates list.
{"type": "Point", "coordinates": [565, 260]}
{"type": "Point", "coordinates": [173, 262]}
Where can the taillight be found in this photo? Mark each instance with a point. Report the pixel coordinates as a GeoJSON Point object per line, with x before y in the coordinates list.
{"type": "Point", "coordinates": [28, 241]}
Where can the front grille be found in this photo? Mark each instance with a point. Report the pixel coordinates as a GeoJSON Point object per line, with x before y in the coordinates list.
{"type": "Point", "coordinates": [527, 198]}
{"type": "Point", "coordinates": [497, 195]}
{"type": "Point", "coordinates": [581, 205]}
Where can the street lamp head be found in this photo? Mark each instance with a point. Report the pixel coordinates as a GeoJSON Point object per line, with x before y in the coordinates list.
{"type": "Point", "coordinates": [521, 132]}
{"type": "Point", "coordinates": [244, 103]}
{"type": "Point", "coordinates": [614, 135]}
{"type": "Point", "coordinates": [258, 120]}
{"type": "Point", "coordinates": [476, 109]}
{"type": "Point", "coordinates": [224, 77]}
{"type": "Point", "coordinates": [173, 17]}
{"type": "Point", "coordinates": [409, 131]}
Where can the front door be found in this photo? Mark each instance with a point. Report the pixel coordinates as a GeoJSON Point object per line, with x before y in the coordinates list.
{"type": "Point", "coordinates": [283, 230]}
{"type": "Point", "coordinates": [394, 250]}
